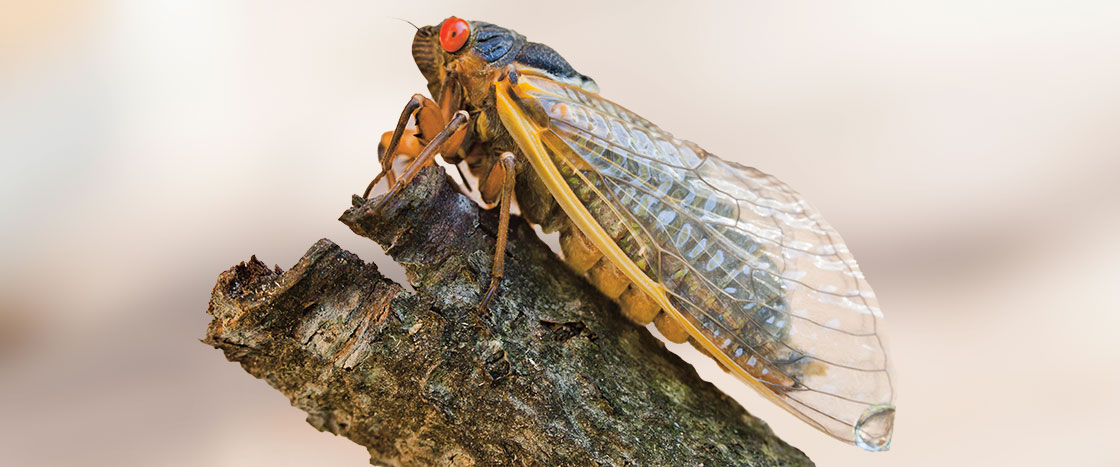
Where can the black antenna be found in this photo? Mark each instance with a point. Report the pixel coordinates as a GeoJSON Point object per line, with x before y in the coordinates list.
{"type": "Point", "coordinates": [409, 22]}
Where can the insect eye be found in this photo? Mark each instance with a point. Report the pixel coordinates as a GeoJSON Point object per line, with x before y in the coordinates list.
{"type": "Point", "coordinates": [453, 34]}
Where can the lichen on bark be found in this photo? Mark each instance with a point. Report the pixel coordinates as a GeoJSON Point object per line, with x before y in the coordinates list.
{"type": "Point", "coordinates": [551, 373]}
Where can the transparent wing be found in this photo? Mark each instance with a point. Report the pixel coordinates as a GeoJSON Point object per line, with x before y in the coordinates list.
{"type": "Point", "coordinates": [744, 258]}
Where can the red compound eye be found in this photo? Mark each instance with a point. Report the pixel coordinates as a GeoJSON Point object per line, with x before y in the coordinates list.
{"type": "Point", "coordinates": [453, 34]}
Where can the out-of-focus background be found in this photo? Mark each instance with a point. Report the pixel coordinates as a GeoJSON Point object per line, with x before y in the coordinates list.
{"type": "Point", "coordinates": [969, 152]}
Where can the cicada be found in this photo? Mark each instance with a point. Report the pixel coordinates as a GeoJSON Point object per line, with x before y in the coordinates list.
{"type": "Point", "coordinates": [712, 252]}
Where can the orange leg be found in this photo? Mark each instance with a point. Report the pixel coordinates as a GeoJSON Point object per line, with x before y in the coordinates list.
{"type": "Point", "coordinates": [426, 156]}
{"type": "Point", "coordinates": [507, 163]}
{"type": "Point", "coordinates": [430, 119]}
{"type": "Point", "coordinates": [408, 148]}
{"type": "Point", "coordinates": [390, 153]}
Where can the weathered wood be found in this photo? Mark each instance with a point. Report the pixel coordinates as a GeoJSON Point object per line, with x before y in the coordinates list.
{"type": "Point", "coordinates": [550, 374]}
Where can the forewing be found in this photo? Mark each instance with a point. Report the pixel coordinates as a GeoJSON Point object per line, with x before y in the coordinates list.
{"type": "Point", "coordinates": [743, 257]}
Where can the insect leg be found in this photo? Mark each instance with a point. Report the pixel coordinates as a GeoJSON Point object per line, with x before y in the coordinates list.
{"type": "Point", "coordinates": [429, 118]}
{"type": "Point", "coordinates": [423, 159]}
{"type": "Point", "coordinates": [408, 148]}
{"type": "Point", "coordinates": [508, 164]}
{"type": "Point", "coordinates": [386, 157]}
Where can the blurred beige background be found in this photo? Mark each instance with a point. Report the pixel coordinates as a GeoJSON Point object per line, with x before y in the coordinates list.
{"type": "Point", "coordinates": [968, 151]}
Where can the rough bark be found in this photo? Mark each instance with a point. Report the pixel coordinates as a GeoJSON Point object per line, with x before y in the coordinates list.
{"type": "Point", "coordinates": [551, 373]}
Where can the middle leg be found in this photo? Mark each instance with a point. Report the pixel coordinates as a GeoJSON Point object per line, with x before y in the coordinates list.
{"type": "Point", "coordinates": [508, 163]}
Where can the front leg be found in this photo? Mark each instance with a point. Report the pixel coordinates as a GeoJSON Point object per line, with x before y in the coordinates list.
{"type": "Point", "coordinates": [458, 122]}
{"type": "Point", "coordinates": [407, 148]}
{"type": "Point", "coordinates": [431, 118]}
{"type": "Point", "coordinates": [387, 156]}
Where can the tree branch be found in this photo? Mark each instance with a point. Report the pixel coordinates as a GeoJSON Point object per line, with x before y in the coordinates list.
{"type": "Point", "coordinates": [551, 373]}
